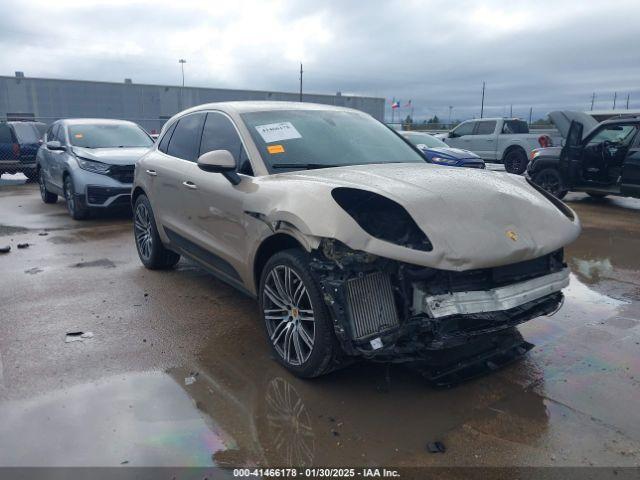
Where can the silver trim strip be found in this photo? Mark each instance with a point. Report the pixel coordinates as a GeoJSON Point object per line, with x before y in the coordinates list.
{"type": "Point", "coordinates": [496, 299]}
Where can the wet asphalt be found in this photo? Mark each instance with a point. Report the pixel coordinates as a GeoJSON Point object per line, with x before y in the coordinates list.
{"type": "Point", "coordinates": [178, 371]}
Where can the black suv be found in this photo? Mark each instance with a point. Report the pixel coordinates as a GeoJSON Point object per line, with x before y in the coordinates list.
{"type": "Point", "coordinates": [19, 143]}
{"type": "Point", "coordinates": [605, 161]}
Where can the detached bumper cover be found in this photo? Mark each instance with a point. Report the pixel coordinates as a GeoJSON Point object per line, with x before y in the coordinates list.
{"type": "Point", "coordinates": [496, 299]}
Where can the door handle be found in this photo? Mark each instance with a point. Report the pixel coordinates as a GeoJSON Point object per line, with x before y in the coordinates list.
{"type": "Point", "coordinates": [489, 139]}
{"type": "Point", "coordinates": [190, 185]}
{"type": "Point", "coordinates": [153, 173]}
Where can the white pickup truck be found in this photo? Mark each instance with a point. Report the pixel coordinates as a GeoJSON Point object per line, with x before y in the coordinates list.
{"type": "Point", "coordinates": [505, 140]}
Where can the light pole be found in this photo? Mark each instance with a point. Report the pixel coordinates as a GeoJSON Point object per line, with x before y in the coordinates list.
{"type": "Point", "coordinates": [182, 61]}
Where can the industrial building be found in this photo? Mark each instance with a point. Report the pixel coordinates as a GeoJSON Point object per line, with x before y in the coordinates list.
{"type": "Point", "coordinates": [47, 100]}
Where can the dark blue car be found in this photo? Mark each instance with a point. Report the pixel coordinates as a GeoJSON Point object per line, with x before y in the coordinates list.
{"type": "Point", "coordinates": [19, 143]}
{"type": "Point", "coordinates": [438, 152]}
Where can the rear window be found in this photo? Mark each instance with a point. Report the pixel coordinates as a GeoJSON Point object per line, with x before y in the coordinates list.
{"type": "Point", "coordinates": [515, 126]}
{"type": "Point", "coordinates": [26, 133]}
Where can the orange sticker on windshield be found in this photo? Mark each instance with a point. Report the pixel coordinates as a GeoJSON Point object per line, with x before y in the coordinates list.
{"type": "Point", "coordinates": [79, 135]}
{"type": "Point", "coordinates": [275, 149]}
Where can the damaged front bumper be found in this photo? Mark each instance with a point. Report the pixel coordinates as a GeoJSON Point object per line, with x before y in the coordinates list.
{"type": "Point", "coordinates": [389, 311]}
{"type": "Point", "coordinates": [495, 299]}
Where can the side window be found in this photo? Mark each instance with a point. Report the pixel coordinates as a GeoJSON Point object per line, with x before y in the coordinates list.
{"type": "Point", "coordinates": [5, 133]}
{"type": "Point", "coordinates": [464, 129]}
{"type": "Point", "coordinates": [220, 134]}
{"type": "Point", "coordinates": [54, 132]}
{"type": "Point", "coordinates": [620, 135]}
{"type": "Point", "coordinates": [164, 143]}
{"type": "Point", "coordinates": [185, 141]}
{"type": "Point", "coordinates": [60, 135]}
{"type": "Point", "coordinates": [486, 128]}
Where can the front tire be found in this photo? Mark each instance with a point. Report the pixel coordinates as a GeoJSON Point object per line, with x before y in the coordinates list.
{"type": "Point", "coordinates": [550, 180]}
{"type": "Point", "coordinates": [151, 251]}
{"type": "Point", "coordinates": [46, 195]}
{"type": "Point", "coordinates": [297, 321]}
{"type": "Point", "coordinates": [75, 205]}
{"type": "Point", "coordinates": [515, 161]}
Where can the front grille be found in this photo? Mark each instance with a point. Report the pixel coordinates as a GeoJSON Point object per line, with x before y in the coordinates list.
{"type": "Point", "coordinates": [122, 173]}
{"type": "Point", "coordinates": [486, 278]}
{"type": "Point", "coordinates": [371, 305]}
{"type": "Point", "coordinates": [99, 195]}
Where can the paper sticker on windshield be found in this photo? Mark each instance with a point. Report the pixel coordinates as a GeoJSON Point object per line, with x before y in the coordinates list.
{"type": "Point", "coordinates": [275, 149]}
{"type": "Point", "coordinates": [276, 132]}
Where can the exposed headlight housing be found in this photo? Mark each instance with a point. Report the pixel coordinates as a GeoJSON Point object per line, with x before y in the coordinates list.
{"type": "Point", "coordinates": [382, 218]}
{"type": "Point", "coordinates": [444, 161]}
{"type": "Point", "coordinates": [93, 166]}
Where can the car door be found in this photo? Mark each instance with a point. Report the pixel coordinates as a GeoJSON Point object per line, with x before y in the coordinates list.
{"type": "Point", "coordinates": [174, 157]}
{"type": "Point", "coordinates": [483, 140]}
{"type": "Point", "coordinates": [7, 154]}
{"type": "Point", "coordinates": [460, 136]}
{"type": "Point", "coordinates": [630, 182]}
{"type": "Point", "coordinates": [216, 205]}
{"type": "Point", "coordinates": [57, 158]}
{"type": "Point", "coordinates": [571, 156]}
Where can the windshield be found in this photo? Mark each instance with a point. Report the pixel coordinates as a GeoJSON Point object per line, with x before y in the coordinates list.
{"type": "Point", "coordinates": [425, 139]}
{"type": "Point", "coordinates": [108, 136]}
{"type": "Point", "coordinates": [26, 133]}
{"type": "Point", "coordinates": [301, 139]}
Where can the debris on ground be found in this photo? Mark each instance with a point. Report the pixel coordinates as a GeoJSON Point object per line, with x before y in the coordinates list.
{"type": "Point", "coordinates": [77, 336]}
{"type": "Point", "coordinates": [436, 447]}
{"type": "Point", "coordinates": [191, 379]}
{"type": "Point", "coordinates": [43, 234]}
{"type": "Point", "coordinates": [23, 245]}
{"type": "Point", "coordinates": [6, 249]}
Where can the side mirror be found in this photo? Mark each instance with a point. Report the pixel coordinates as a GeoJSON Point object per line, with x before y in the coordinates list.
{"type": "Point", "coordinates": [220, 161]}
{"type": "Point", "coordinates": [56, 146]}
{"type": "Point", "coordinates": [452, 135]}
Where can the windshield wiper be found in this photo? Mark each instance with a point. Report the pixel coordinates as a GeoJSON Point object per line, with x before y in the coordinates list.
{"type": "Point", "coordinates": [307, 166]}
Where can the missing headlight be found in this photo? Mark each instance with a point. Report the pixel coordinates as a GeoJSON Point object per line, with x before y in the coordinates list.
{"type": "Point", "coordinates": [382, 218]}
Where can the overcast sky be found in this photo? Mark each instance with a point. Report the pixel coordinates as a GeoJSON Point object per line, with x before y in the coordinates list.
{"type": "Point", "coordinates": [544, 54]}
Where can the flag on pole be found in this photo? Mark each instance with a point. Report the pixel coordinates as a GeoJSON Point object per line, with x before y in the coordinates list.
{"type": "Point", "coordinates": [395, 104]}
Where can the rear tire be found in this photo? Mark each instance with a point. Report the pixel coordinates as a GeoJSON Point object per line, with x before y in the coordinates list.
{"type": "Point", "coordinates": [151, 251]}
{"type": "Point", "coordinates": [515, 161]}
{"type": "Point", "coordinates": [550, 180]}
{"type": "Point", "coordinates": [75, 205]}
{"type": "Point", "coordinates": [47, 196]}
{"type": "Point", "coordinates": [297, 322]}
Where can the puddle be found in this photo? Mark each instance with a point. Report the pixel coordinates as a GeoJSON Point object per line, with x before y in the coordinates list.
{"type": "Point", "coordinates": [143, 418]}
{"type": "Point", "coordinates": [103, 262]}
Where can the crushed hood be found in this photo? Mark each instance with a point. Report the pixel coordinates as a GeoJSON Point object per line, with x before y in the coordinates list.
{"type": "Point", "coordinates": [468, 215]}
{"type": "Point", "coordinates": [562, 120]}
{"type": "Point", "coordinates": [113, 156]}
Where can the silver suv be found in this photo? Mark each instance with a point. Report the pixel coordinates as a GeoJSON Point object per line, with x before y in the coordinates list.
{"type": "Point", "coordinates": [352, 244]}
{"type": "Point", "coordinates": [90, 163]}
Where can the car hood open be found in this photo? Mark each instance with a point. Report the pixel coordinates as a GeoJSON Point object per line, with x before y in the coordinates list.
{"type": "Point", "coordinates": [473, 219]}
{"type": "Point", "coordinates": [113, 156]}
{"type": "Point", "coordinates": [562, 120]}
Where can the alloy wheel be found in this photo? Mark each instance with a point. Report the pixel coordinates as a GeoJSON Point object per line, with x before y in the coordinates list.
{"type": "Point", "coordinates": [143, 232]}
{"type": "Point", "coordinates": [288, 313]}
{"type": "Point", "coordinates": [43, 188]}
{"type": "Point", "coordinates": [69, 196]}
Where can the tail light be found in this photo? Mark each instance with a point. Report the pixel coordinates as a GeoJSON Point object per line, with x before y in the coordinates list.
{"type": "Point", "coordinates": [544, 141]}
{"type": "Point", "coordinates": [16, 150]}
